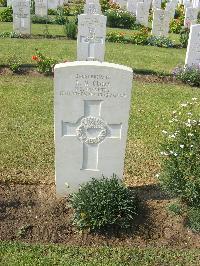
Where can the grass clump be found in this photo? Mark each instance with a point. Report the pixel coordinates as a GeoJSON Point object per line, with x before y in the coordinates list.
{"type": "Point", "coordinates": [194, 218]}
{"type": "Point", "coordinates": [181, 154]}
{"type": "Point", "coordinates": [102, 203]}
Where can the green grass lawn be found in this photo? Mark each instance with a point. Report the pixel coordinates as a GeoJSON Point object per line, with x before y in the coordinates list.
{"type": "Point", "coordinates": [138, 57]}
{"type": "Point", "coordinates": [13, 254]}
{"type": "Point", "coordinates": [27, 148]}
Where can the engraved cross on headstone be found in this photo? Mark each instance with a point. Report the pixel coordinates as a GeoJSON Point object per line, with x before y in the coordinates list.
{"type": "Point", "coordinates": [91, 40]}
{"type": "Point", "coordinates": [91, 130]}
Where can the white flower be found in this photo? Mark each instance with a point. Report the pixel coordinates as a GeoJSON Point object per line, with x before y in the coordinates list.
{"type": "Point", "coordinates": [164, 153]}
{"type": "Point", "coordinates": [175, 154]}
{"type": "Point", "coordinates": [174, 112]}
{"type": "Point", "coordinates": [189, 113]}
{"type": "Point", "coordinates": [157, 175]}
{"type": "Point", "coordinates": [184, 104]}
{"type": "Point", "coordinates": [182, 146]}
{"type": "Point", "coordinates": [164, 131]}
{"type": "Point", "coordinates": [191, 146]}
{"type": "Point", "coordinates": [190, 134]}
{"type": "Point", "coordinates": [172, 136]}
{"type": "Point", "coordinates": [194, 99]}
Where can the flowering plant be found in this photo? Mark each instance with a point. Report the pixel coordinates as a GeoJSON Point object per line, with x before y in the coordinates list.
{"type": "Point", "coordinates": [44, 64]}
{"type": "Point", "coordinates": [180, 150]}
{"type": "Point", "coordinates": [190, 75]}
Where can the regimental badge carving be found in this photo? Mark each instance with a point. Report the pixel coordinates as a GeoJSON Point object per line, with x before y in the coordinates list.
{"type": "Point", "coordinates": [91, 122]}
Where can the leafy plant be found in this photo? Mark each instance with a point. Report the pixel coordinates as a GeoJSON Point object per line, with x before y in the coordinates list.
{"type": "Point", "coordinates": [102, 203]}
{"type": "Point", "coordinates": [71, 29]}
{"type": "Point", "coordinates": [117, 18]}
{"type": "Point", "coordinates": [44, 64]}
{"type": "Point", "coordinates": [41, 20]}
{"type": "Point", "coordinates": [139, 37]}
{"type": "Point", "coordinates": [15, 64]}
{"type": "Point", "coordinates": [194, 218]}
{"type": "Point", "coordinates": [3, 3]}
{"type": "Point", "coordinates": [160, 41]}
{"type": "Point", "coordinates": [184, 37]}
{"type": "Point", "coordinates": [6, 15]}
{"type": "Point", "coordinates": [180, 150]}
{"type": "Point", "coordinates": [176, 26]}
{"type": "Point", "coordinates": [179, 12]}
{"type": "Point", "coordinates": [175, 208]}
{"type": "Point", "coordinates": [52, 12]}
{"type": "Point", "coordinates": [61, 17]}
{"type": "Point", "coordinates": [189, 75]}
{"type": "Point", "coordinates": [12, 34]}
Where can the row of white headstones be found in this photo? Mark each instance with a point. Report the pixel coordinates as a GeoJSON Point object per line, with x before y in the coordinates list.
{"type": "Point", "coordinates": [160, 24]}
{"type": "Point", "coordinates": [161, 18]}
{"type": "Point", "coordinates": [92, 101]}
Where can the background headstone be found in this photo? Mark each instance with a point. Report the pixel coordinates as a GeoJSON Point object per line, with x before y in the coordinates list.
{"type": "Point", "coordinates": [21, 16]}
{"type": "Point", "coordinates": [142, 13]}
{"type": "Point", "coordinates": [171, 7]}
{"type": "Point", "coordinates": [92, 7]}
{"type": "Point", "coordinates": [190, 16]}
{"type": "Point", "coordinates": [160, 23]}
{"type": "Point", "coordinates": [91, 121]}
{"type": "Point", "coordinates": [91, 37]}
{"type": "Point", "coordinates": [41, 8]}
{"type": "Point", "coordinates": [132, 6]}
{"type": "Point", "coordinates": [156, 4]}
{"type": "Point", "coordinates": [193, 48]}
{"type": "Point", "coordinates": [53, 4]}
{"type": "Point", "coordinates": [9, 2]}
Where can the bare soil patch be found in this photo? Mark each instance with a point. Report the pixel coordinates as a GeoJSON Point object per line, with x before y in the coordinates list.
{"type": "Point", "coordinates": [32, 213]}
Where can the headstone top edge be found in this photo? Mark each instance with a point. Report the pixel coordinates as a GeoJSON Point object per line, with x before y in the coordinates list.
{"type": "Point", "coordinates": [92, 63]}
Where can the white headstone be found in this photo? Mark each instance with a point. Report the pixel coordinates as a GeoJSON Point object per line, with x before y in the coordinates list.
{"type": "Point", "coordinates": [160, 24]}
{"type": "Point", "coordinates": [142, 13]}
{"type": "Point", "coordinates": [132, 6]}
{"type": "Point", "coordinates": [171, 7]}
{"type": "Point", "coordinates": [41, 8]}
{"type": "Point", "coordinates": [156, 4]}
{"type": "Point", "coordinates": [92, 7]}
{"type": "Point", "coordinates": [9, 2]}
{"type": "Point", "coordinates": [193, 49]}
{"type": "Point", "coordinates": [91, 37]}
{"type": "Point", "coordinates": [187, 3]}
{"type": "Point", "coordinates": [53, 4]}
{"type": "Point", "coordinates": [196, 4]}
{"type": "Point", "coordinates": [190, 16]}
{"type": "Point", "coordinates": [92, 101]}
{"type": "Point", "coordinates": [122, 3]}
{"type": "Point", "coordinates": [21, 16]}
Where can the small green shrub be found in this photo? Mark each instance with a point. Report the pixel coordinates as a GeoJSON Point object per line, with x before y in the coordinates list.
{"type": "Point", "coordinates": [71, 29]}
{"type": "Point", "coordinates": [184, 37]}
{"type": "Point", "coordinates": [15, 64]}
{"type": "Point", "coordinates": [179, 12]}
{"type": "Point", "coordinates": [117, 18]}
{"type": "Point", "coordinates": [176, 26]}
{"type": "Point", "coordinates": [160, 41]}
{"type": "Point", "coordinates": [102, 203]}
{"type": "Point", "coordinates": [188, 75]}
{"type": "Point", "coordinates": [41, 20]}
{"type": "Point", "coordinates": [106, 4]}
{"type": "Point", "coordinates": [52, 12]}
{"type": "Point", "coordinates": [180, 150]}
{"type": "Point", "coordinates": [44, 64]}
{"type": "Point", "coordinates": [3, 3]}
{"type": "Point", "coordinates": [139, 37]}
{"type": "Point", "coordinates": [194, 218]}
{"type": "Point", "coordinates": [7, 34]}
{"type": "Point", "coordinates": [61, 17]}
{"type": "Point", "coordinates": [175, 208]}
{"type": "Point", "coordinates": [6, 15]}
